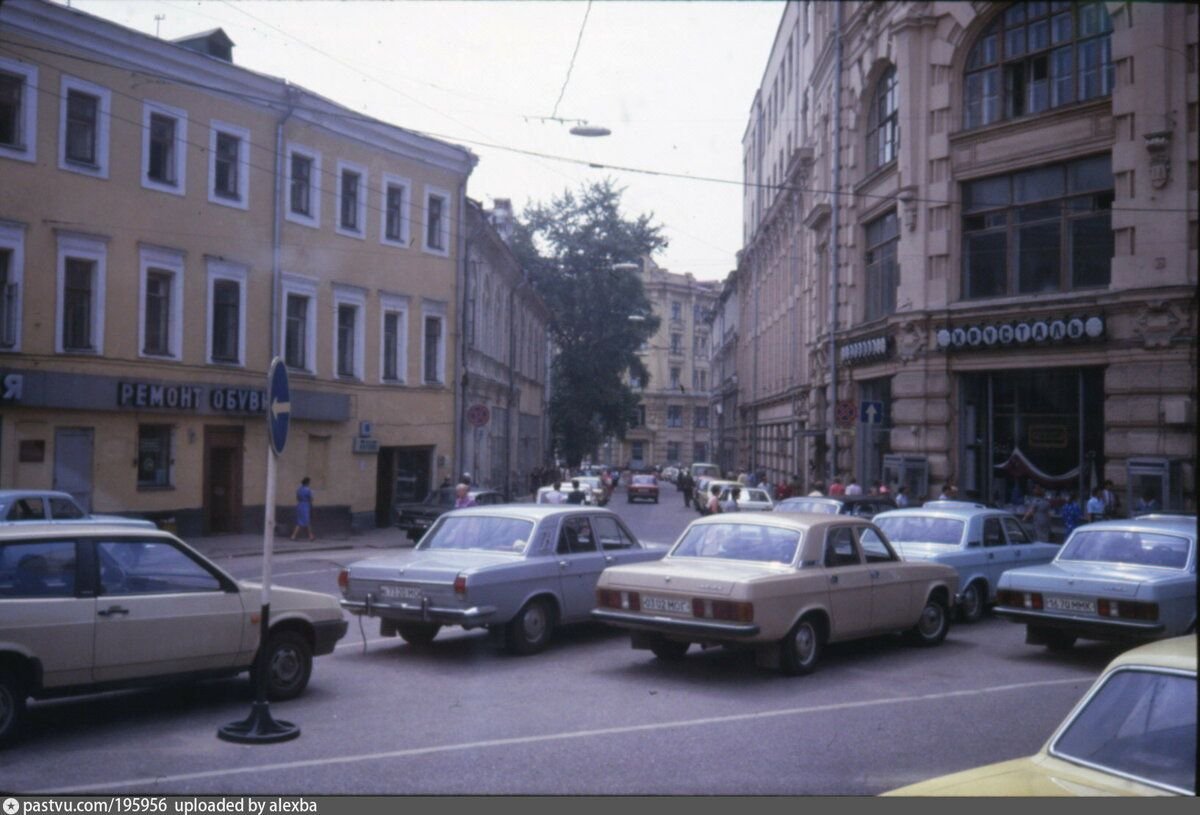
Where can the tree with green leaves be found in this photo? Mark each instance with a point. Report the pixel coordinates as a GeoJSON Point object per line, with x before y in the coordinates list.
{"type": "Point", "coordinates": [600, 315]}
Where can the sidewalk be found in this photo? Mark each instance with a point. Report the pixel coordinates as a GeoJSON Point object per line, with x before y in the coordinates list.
{"type": "Point", "coordinates": [218, 546]}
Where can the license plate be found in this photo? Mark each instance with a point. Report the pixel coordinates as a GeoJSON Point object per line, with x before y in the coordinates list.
{"type": "Point", "coordinates": [666, 604]}
{"type": "Point", "coordinates": [400, 592]}
{"type": "Point", "coordinates": [1070, 604]}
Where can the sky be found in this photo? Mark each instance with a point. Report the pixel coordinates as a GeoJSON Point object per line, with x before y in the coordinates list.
{"type": "Point", "coordinates": [674, 82]}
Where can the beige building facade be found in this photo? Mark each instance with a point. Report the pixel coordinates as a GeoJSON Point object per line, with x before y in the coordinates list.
{"type": "Point", "coordinates": [1003, 198]}
{"type": "Point", "coordinates": [674, 415]}
{"type": "Point", "coordinates": [171, 222]}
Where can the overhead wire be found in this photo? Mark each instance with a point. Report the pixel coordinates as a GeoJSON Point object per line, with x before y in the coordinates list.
{"type": "Point", "coordinates": [571, 65]}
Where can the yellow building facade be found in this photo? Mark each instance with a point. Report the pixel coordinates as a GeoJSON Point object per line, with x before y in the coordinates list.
{"type": "Point", "coordinates": [169, 222]}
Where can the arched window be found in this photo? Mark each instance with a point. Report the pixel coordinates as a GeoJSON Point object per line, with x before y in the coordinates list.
{"type": "Point", "coordinates": [883, 122]}
{"type": "Point", "coordinates": [1038, 56]}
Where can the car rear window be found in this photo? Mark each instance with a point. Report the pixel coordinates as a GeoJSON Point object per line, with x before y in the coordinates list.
{"type": "Point", "coordinates": [644, 480]}
{"type": "Point", "coordinates": [734, 541]}
{"type": "Point", "coordinates": [1120, 546]}
{"type": "Point", "coordinates": [479, 532]}
{"type": "Point", "coordinates": [41, 569]}
{"type": "Point", "coordinates": [921, 529]}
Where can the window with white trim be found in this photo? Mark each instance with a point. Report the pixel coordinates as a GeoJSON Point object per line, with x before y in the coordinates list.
{"type": "Point", "coordinates": [12, 263]}
{"type": "Point", "coordinates": [883, 122]}
{"type": "Point", "coordinates": [433, 343]}
{"type": "Point", "coordinates": [84, 117]}
{"type": "Point", "coordinates": [393, 350]}
{"type": "Point", "coordinates": [349, 331]}
{"type": "Point", "coordinates": [395, 226]}
{"type": "Point", "coordinates": [226, 312]}
{"type": "Point", "coordinates": [674, 416]}
{"type": "Point", "coordinates": [154, 456]}
{"type": "Point", "coordinates": [352, 199]}
{"type": "Point", "coordinates": [81, 273]}
{"type": "Point", "coordinates": [164, 135]}
{"type": "Point", "coordinates": [882, 268]}
{"type": "Point", "coordinates": [437, 221]}
{"type": "Point", "coordinates": [303, 184]}
{"type": "Point", "coordinates": [299, 329]}
{"type": "Point", "coordinates": [229, 165]}
{"type": "Point", "coordinates": [160, 318]}
{"type": "Point", "coordinates": [18, 110]}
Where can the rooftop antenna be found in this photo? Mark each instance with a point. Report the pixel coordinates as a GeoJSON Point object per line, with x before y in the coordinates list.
{"type": "Point", "coordinates": [158, 18]}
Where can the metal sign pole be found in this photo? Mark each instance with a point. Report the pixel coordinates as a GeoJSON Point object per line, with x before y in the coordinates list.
{"type": "Point", "coordinates": [260, 727]}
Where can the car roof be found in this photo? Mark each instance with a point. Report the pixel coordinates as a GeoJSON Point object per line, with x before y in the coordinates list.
{"type": "Point", "coordinates": [1176, 525]}
{"type": "Point", "coordinates": [90, 530]}
{"type": "Point", "coordinates": [1178, 653]}
{"type": "Point", "coordinates": [6, 495]}
{"type": "Point", "coordinates": [958, 512]}
{"type": "Point", "coordinates": [529, 511]}
{"type": "Point", "coordinates": [800, 521]}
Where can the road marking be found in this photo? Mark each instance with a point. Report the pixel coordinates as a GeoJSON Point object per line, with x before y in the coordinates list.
{"type": "Point", "coordinates": [148, 783]}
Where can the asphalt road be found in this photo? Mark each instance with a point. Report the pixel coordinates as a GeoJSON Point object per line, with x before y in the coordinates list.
{"type": "Point", "coordinates": [589, 716]}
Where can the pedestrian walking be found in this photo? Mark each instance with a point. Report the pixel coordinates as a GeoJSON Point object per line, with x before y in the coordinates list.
{"type": "Point", "coordinates": [1039, 512]}
{"type": "Point", "coordinates": [304, 503]}
{"type": "Point", "coordinates": [687, 485]}
{"type": "Point", "coordinates": [836, 488]}
{"type": "Point", "coordinates": [902, 496]}
{"type": "Point", "coordinates": [1095, 505]}
{"type": "Point", "coordinates": [1071, 514]}
{"type": "Point", "coordinates": [730, 504]}
{"type": "Point", "coordinates": [714, 505]}
{"type": "Point", "coordinates": [854, 488]}
{"type": "Point", "coordinates": [576, 495]}
{"type": "Point", "coordinates": [462, 496]}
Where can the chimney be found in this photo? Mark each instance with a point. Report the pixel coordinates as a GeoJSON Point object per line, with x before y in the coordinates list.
{"type": "Point", "coordinates": [501, 217]}
{"type": "Point", "coordinates": [215, 43]}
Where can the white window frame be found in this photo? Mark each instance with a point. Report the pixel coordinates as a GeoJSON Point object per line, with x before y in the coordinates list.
{"type": "Point", "coordinates": [103, 120]}
{"type": "Point", "coordinates": [430, 308]}
{"type": "Point", "coordinates": [361, 203]}
{"type": "Point", "coordinates": [447, 215]}
{"type": "Point", "coordinates": [303, 287]}
{"type": "Point", "coordinates": [243, 186]}
{"type": "Point", "coordinates": [395, 304]}
{"type": "Point", "coordinates": [180, 116]}
{"type": "Point", "coordinates": [387, 182]}
{"type": "Point", "coordinates": [29, 98]}
{"type": "Point", "coordinates": [12, 238]}
{"type": "Point", "coordinates": [168, 260]}
{"type": "Point", "coordinates": [218, 269]}
{"type": "Point", "coordinates": [314, 196]}
{"type": "Point", "coordinates": [84, 247]}
{"type": "Point", "coordinates": [350, 296]}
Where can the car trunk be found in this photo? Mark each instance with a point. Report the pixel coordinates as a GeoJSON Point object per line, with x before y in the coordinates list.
{"type": "Point", "coordinates": [702, 577]}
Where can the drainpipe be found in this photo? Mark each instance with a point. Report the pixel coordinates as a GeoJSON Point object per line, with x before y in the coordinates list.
{"type": "Point", "coordinates": [460, 359]}
{"type": "Point", "coordinates": [512, 385]}
{"type": "Point", "coordinates": [277, 222]}
{"type": "Point", "coordinates": [835, 255]}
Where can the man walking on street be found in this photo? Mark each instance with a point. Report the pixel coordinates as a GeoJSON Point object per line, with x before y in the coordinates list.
{"type": "Point", "coordinates": [687, 486]}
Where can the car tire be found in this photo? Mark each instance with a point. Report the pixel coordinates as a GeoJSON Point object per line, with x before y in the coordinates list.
{"type": "Point", "coordinates": [418, 633]}
{"type": "Point", "coordinates": [801, 648]}
{"type": "Point", "coordinates": [530, 631]}
{"type": "Point", "coordinates": [974, 602]}
{"type": "Point", "coordinates": [670, 650]}
{"type": "Point", "coordinates": [933, 624]}
{"type": "Point", "coordinates": [656, 500]}
{"type": "Point", "coordinates": [12, 706]}
{"type": "Point", "coordinates": [289, 665]}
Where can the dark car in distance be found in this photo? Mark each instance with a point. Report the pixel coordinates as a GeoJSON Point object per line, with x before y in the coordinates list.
{"type": "Point", "coordinates": [416, 518]}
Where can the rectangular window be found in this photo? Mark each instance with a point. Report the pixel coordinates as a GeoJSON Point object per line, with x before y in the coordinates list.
{"type": "Point", "coordinates": [226, 316]}
{"type": "Point", "coordinates": [295, 345]}
{"type": "Point", "coordinates": [83, 111]}
{"type": "Point", "coordinates": [158, 313]}
{"type": "Point", "coordinates": [676, 343]}
{"type": "Point", "coordinates": [639, 416]}
{"type": "Point", "coordinates": [154, 455]}
{"type": "Point", "coordinates": [8, 300]}
{"type": "Point", "coordinates": [12, 92]}
{"type": "Point", "coordinates": [433, 347]}
{"type": "Point", "coordinates": [352, 200]}
{"type": "Point", "coordinates": [347, 316]}
{"type": "Point", "coordinates": [676, 310]}
{"type": "Point", "coordinates": [228, 166]}
{"type": "Point", "coordinates": [699, 451]}
{"type": "Point", "coordinates": [434, 215]}
{"type": "Point", "coordinates": [161, 159]}
{"type": "Point", "coordinates": [882, 270]}
{"type": "Point", "coordinates": [701, 417]}
{"type": "Point", "coordinates": [699, 379]}
{"type": "Point", "coordinates": [1046, 229]}
{"type": "Point", "coordinates": [77, 305]}
{"type": "Point", "coordinates": [672, 452]}
{"type": "Point", "coordinates": [637, 452]}
{"type": "Point", "coordinates": [302, 185]}
{"type": "Point", "coordinates": [391, 344]}
{"type": "Point", "coordinates": [674, 416]}
{"type": "Point", "coordinates": [675, 384]}
{"type": "Point", "coordinates": [395, 214]}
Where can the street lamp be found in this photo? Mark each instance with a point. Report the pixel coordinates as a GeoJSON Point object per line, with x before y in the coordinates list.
{"type": "Point", "coordinates": [590, 131]}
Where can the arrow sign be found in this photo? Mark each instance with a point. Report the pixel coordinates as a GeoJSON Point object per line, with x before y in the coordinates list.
{"type": "Point", "coordinates": [280, 407]}
{"type": "Point", "coordinates": [871, 413]}
{"type": "Point", "coordinates": [279, 401]}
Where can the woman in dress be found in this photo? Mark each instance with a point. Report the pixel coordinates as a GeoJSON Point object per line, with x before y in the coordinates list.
{"type": "Point", "coordinates": [304, 500]}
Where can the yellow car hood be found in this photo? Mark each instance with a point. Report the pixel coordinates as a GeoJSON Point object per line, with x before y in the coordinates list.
{"type": "Point", "coordinates": [1035, 776]}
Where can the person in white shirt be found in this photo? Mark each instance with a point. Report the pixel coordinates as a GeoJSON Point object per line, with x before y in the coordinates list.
{"type": "Point", "coordinates": [902, 497]}
{"type": "Point", "coordinates": [1095, 505]}
{"type": "Point", "coordinates": [854, 488]}
{"type": "Point", "coordinates": [555, 496]}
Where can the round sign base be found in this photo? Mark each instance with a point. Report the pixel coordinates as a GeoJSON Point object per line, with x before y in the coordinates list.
{"type": "Point", "coordinates": [259, 728]}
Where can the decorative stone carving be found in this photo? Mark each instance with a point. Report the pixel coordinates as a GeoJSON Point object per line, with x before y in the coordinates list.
{"type": "Point", "coordinates": [1158, 144]}
{"type": "Point", "coordinates": [910, 341]}
{"type": "Point", "coordinates": [907, 196]}
{"type": "Point", "coordinates": [1158, 324]}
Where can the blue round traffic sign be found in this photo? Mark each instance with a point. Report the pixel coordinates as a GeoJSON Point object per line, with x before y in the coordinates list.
{"type": "Point", "coordinates": [279, 405]}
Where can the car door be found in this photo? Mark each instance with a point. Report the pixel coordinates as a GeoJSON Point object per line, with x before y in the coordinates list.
{"type": "Point", "coordinates": [160, 611]}
{"type": "Point", "coordinates": [1026, 551]}
{"type": "Point", "coordinates": [998, 555]}
{"type": "Point", "coordinates": [45, 611]}
{"type": "Point", "coordinates": [849, 583]}
{"type": "Point", "coordinates": [579, 565]}
{"type": "Point", "coordinates": [892, 584]}
{"type": "Point", "coordinates": [65, 509]}
{"type": "Point", "coordinates": [617, 545]}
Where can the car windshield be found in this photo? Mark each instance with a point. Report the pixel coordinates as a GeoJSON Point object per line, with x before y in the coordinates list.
{"type": "Point", "coordinates": [921, 529]}
{"type": "Point", "coordinates": [1138, 723]}
{"type": "Point", "coordinates": [734, 541]}
{"type": "Point", "coordinates": [805, 505]}
{"type": "Point", "coordinates": [441, 497]}
{"type": "Point", "coordinates": [1123, 546]}
{"type": "Point", "coordinates": [479, 532]}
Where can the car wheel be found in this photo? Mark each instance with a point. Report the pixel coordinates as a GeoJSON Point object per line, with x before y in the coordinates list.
{"type": "Point", "coordinates": [418, 633]}
{"type": "Point", "coordinates": [12, 706]}
{"type": "Point", "coordinates": [974, 602]}
{"type": "Point", "coordinates": [933, 624]}
{"type": "Point", "coordinates": [670, 650]}
{"type": "Point", "coordinates": [530, 631]}
{"type": "Point", "coordinates": [289, 665]}
{"type": "Point", "coordinates": [801, 648]}
{"type": "Point", "coordinates": [656, 500]}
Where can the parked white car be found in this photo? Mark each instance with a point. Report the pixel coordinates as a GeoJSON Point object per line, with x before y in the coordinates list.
{"type": "Point", "coordinates": [52, 506]}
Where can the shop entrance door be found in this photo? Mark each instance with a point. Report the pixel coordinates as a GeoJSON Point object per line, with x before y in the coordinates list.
{"type": "Point", "coordinates": [222, 480]}
{"type": "Point", "coordinates": [402, 477]}
{"type": "Point", "coordinates": [73, 463]}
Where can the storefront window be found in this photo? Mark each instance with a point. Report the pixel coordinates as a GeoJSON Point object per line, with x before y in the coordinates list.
{"type": "Point", "coordinates": [154, 455]}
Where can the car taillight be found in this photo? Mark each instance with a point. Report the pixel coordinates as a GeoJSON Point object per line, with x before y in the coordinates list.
{"type": "Point", "coordinates": [1019, 599]}
{"type": "Point", "coordinates": [344, 580]}
{"type": "Point", "coordinates": [460, 584]}
{"type": "Point", "coordinates": [1127, 609]}
{"type": "Point", "coordinates": [625, 600]}
{"type": "Point", "coordinates": [723, 610]}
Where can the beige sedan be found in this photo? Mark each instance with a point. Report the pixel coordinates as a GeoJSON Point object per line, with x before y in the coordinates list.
{"type": "Point", "coordinates": [784, 585]}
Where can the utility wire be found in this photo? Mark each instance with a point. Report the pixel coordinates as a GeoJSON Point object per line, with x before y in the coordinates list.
{"type": "Point", "coordinates": [571, 66]}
